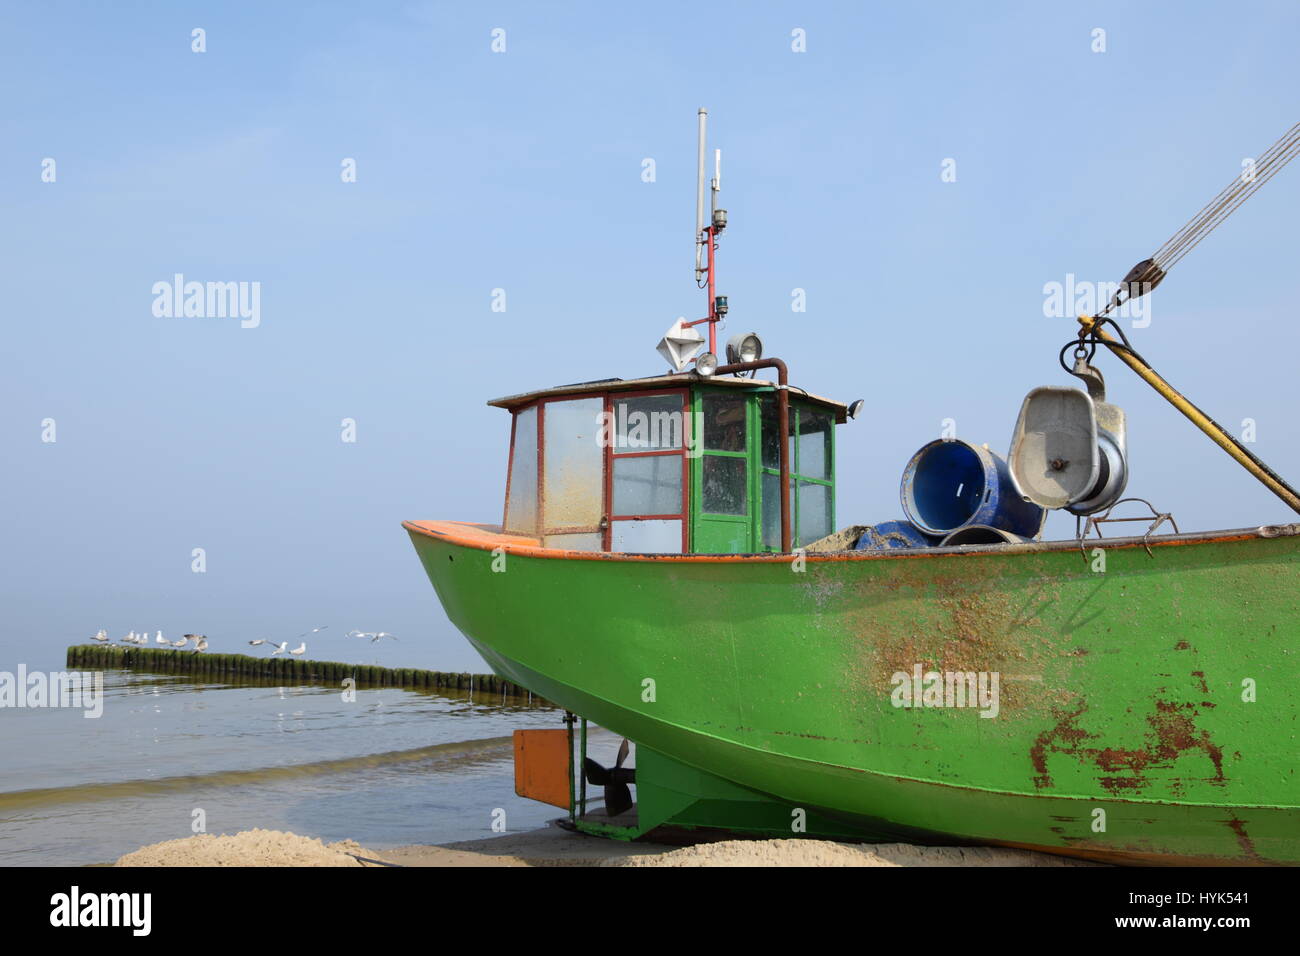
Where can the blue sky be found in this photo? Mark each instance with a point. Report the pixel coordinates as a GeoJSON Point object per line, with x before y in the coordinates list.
{"type": "Point", "coordinates": [522, 171]}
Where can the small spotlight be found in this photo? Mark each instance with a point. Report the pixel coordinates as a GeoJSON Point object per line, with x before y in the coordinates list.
{"type": "Point", "coordinates": [856, 408]}
{"type": "Point", "coordinates": [747, 347]}
{"type": "Point", "coordinates": [706, 364]}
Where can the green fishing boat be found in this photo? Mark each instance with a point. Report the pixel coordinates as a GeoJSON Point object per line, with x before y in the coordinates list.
{"type": "Point", "coordinates": [668, 566]}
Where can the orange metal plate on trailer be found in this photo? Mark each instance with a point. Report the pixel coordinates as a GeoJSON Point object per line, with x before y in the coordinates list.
{"type": "Point", "coordinates": [542, 766]}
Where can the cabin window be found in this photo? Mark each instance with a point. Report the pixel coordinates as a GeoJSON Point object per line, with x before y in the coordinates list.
{"type": "Point", "coordinates": [723, 482]}
{"type": "Point", "coordinates": [812, 470]}
{"type": "Point", "coordinates": [573, 479]}
{"type": "Point", "coordinates": [647, 466]}
{"type": "Point", "coordinates": [647, 484]}
{"type": "Point", "coordinates": [724, 421]}
{"type": "Point", "coordinates": [814, 444]}
{"type": "Point", "coordinates": [521, 486]}
{"type": "Point", "coordinates": [814, 511]}
{"type": "Point", "coordinates": [771, 485]}
{"type": "Point", "coordinates": [772, 435]}
{"type": "Point", "coordinates": [648, 423]}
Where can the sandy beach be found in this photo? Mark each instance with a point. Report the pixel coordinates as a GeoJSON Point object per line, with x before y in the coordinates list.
{"type": "Point", "coordinates": [553, 846]}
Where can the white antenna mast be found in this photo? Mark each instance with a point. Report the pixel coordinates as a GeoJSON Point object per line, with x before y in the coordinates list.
{"type": "Point", "coordinates": [717, 181]}
{"type": "Point", "coordinates": [699, 202]}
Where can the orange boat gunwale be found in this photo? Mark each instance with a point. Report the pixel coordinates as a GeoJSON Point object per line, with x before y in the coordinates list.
{"type": "Point", "coordinates": [487, 537]}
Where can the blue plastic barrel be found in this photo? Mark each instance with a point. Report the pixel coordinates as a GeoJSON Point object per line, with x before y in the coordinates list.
{"type": "Point", "coordinates": [893, 534]}
{"type": "Point", "coordinates": [950, 483]}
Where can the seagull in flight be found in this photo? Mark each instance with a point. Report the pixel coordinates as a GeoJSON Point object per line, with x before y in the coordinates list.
{"type": "Point", "coordinates": [314, 630]}
{"type": "Point", "coordinates": [201, 644]}
{"type": "Point", "coordinates": [373, 635]}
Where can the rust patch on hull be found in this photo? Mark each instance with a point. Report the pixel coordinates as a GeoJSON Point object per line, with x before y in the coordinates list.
{"type": "Point", "coordinates": [1172, 733]}
{"type": "Point", "coordinates": [969, 625]}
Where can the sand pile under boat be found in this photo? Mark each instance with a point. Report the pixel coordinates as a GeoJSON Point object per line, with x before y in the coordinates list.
{"type": "Point", "coordinates": [551, 846]}
{"type": "Point", "coordinates": [248, 848]}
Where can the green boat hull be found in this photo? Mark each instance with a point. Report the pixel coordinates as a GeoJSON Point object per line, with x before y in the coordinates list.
{"type": "Point", "coordinates": [1145, 713]}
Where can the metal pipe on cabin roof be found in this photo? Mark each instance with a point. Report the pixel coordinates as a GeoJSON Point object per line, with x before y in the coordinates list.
{"type": "Point", "coordinates": [699, 197]}
{"type": "Point", "coordinates": [783, 431]}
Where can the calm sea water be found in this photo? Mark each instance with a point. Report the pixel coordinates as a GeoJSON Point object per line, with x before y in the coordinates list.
{"type": "Point", "coordinates": [392, 768]}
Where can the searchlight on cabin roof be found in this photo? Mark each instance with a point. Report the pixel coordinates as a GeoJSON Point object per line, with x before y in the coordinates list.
{"type": "Point", "coordinates": [747, 347]}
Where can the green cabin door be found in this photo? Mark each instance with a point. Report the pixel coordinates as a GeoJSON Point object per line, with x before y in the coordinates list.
{"type": "Point", "coordinates": [724, 495]}
{"type": "Point", "coordinates": [735, 472]}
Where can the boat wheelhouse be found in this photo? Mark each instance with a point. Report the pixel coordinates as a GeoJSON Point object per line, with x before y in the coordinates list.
{"type": "Point", "coordinates": [670, 464]}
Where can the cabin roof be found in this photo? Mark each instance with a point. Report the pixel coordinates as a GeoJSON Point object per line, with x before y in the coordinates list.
{"type": "Point", "coordinates": [665, 381]}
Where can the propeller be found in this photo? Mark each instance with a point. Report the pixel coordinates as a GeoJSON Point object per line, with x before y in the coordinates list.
{"type": "Point", "coordinates": [615, 780]}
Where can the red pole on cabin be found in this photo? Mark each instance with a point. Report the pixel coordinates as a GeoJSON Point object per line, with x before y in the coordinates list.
{"type": "Point", "coordinates": [713, 316]}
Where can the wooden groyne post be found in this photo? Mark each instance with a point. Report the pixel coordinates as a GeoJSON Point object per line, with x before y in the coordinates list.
{"type": "Point", "coordinates": [158, 660]}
